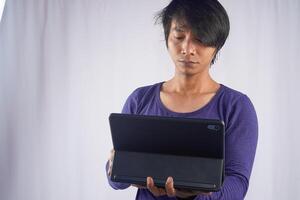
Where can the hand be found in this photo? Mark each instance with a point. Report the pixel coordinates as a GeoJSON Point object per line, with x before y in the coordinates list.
{"type": "Point", "coordinates": [110, 161]}
{"type": "Point", "coordinates": [170, 190]}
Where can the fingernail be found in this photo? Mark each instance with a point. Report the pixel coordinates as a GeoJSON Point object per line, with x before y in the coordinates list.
{"type": "Point", "coordinates": [169, 180]}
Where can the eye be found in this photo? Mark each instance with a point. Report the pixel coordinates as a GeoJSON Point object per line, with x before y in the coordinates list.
{"type": "Point", "coordinates": [178, 37]}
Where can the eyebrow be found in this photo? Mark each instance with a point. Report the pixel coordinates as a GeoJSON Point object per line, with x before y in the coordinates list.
{"type": "Point", "coordinates": [179, 29]}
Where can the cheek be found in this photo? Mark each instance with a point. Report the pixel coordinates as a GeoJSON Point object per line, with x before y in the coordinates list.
{"type": "Point", "coordinates": [173, 53]}
{"type": "Point", "coordinates": [173, 47]}
{"type": "Point", "coordinates": [170, 48]}
{"type": "Point", "coordinates": [207, 54]}
{"type": "Point", "coordinates": [211, 51]}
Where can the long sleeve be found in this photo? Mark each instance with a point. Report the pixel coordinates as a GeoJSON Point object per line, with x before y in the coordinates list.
{"type": "Point", "coordinates": [241, 133]}
{"type": "Point", "coordinates": [240, 147]}
{"type": "Point", "coordinates": [129, 107]}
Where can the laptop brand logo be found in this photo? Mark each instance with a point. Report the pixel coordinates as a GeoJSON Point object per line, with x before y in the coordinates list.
{"type": "Point", "coordinates": [213, 127]}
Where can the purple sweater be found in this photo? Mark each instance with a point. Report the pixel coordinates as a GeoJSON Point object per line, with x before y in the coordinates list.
{"type": "Point", "coordinates": [241, 131]}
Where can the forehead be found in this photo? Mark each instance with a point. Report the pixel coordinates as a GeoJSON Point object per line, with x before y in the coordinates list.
{"type": "Point", "coordinates": [179, 26]}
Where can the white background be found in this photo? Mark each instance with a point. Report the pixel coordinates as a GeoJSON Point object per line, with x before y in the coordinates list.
{"type": "Point", "coordinates": [65, 65]}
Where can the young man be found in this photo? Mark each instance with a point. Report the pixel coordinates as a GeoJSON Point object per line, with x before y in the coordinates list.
{"type": "Point", "coordinates": [195, 30]}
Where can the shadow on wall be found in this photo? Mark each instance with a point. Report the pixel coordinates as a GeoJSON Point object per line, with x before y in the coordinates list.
{"type": "Point", "coordinates": [2, 3]}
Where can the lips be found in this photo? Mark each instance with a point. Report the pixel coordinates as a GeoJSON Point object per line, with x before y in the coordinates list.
{"type": "Point", "coordinates": [187, 61]}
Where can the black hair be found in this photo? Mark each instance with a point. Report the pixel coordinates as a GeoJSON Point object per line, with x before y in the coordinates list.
{"type": "Point", "coordinates": [207, 20]}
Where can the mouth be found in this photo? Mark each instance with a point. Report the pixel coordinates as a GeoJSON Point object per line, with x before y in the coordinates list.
{"type": "Point", "coordinates": [188, 62]}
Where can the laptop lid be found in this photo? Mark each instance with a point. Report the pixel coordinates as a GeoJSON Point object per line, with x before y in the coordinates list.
{"type": "Point", "coordinates": [190, 150]}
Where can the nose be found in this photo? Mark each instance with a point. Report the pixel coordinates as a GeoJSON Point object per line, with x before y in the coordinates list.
{"type": "Point", "coordinates": [188, 48]}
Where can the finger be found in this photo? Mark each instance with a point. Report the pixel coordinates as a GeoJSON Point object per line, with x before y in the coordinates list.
{"type": "Point", "coordinates": [110, 161]}
{"type": "Point", "coordinates": [171, 192]}
{"type": "Point", "coordinates": [109, 170]}
{"type": "Point", "coordinates": [109, 167]}
{"type": "Point", "coordinates": [112, 154]}
{"type": "Point", "coordinates": [151, 187]}
{"type": "Point", "coordinates": [155, 190]}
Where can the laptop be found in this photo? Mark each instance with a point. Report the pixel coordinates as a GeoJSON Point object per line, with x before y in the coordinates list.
{"type": "Point", "coordinates": [189, 150]}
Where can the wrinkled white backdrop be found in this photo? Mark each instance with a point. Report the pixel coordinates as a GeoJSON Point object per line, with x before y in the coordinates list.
{"type": "Point", "coordinates": [65, 65]}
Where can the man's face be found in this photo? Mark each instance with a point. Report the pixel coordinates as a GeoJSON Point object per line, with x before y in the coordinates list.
{"type": "Point", "coordinates": [189, 55]}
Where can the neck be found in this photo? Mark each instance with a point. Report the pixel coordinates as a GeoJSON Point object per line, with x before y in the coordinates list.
{"type": "Point", "coordinates": [191, 84]}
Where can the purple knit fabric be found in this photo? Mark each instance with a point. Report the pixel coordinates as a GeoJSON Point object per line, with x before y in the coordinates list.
{"type": "Point", "coordinates": [241, 132]}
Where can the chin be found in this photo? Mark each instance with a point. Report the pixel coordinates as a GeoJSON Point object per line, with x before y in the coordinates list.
{"type": "Point", "coordinates": [189, 71]}
{"type": "Point", "coordinates": [186, 72]}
